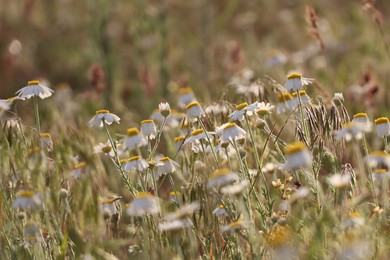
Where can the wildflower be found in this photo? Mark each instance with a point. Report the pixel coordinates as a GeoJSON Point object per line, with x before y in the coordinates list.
{"type": "Point", "coordinates": [305, 99]}
{"type": "Point", "coordinates": [220, 211]}
{"type": "Point", "coordinates": [103, 116]}
{"type": "Point", "coordinates": [382, 126]}
{"type": "Point", "coordinates": [157, 117]}
{"type": "Point", "coordinates": [179, 141]}
{"type": "Point", "coordinates": [362, 119]}
{"type": "Point", "coordinates": [301, 193]}
{"type": "Point", "coordinates": [31, 232]}
{"type": "Point", "coordinates": [174, 196]}
{"type": "Point", "coordinates": [135, 163]}
{"type": "Point", "coordinates": [264, 109]}
{"type": "Point", "coordinates": [275, 58]}
{"type": "Point", "coordinates": [349, 131]}
{"type": "Point", "coordinates": [297, 156]}
{"type": "Point", "coordinates": [186, 96]}
{"type": "Point", "coordinates": [4, 105]}
{"type": "Point", "coordinates": [175, 224]}
{"type": "Point", "coordinates": [296, 82]}
{"type": "Point", "coordinates": [46, 140]}
{"type": "Point", "coordinates": [34, 89]}
{"type": "Point", "coordinates": [339, 180]}
{"type": "Point", "coordinates": [222, 177]}
{"type": "Point", "coordinates": [28, 200]}
{"type": "Point", "coordinates": [235, 188]}
{"type": "Point", "coordinates": [241, 110]}
{"type": "Point", "coordinates": [78, 169]}
{"type": "Point", "coordinates": [230, 132]}
{"type": "Point", "coordinates": [268, 168]}
{"type": "Point", "coordinates": [143, 204]}
{"type": "Point", "coordinates": [338, 97]}
{"type": "Point", "coordinates": [109, 206]}
{"type": "Point", "coordinates": [134, 139]}
{"type": "Point", "coordinates": [378, 159]}
{"type": "Point", "coordinates": [380, 174]}
{"type": "Point", "coordinates": [185, 211]}
{"type": "Point", "coordinates": [165, 109]}
{"type": "Point", "coordinates": [353, 247]}
{"type": "Point", "coordinates": [216, 109]}
{"type": "Point", "coordinates": [105, 148]}
{"type": "Point", "coordinates": [353, 220]}
{"type": "Point", "coordinates": [148, 129]}
{"type": "Point", "coordinates": [233, 227]}
{"type": "Point", "coordinates": [197, 135]}
{"type": "Point", "coordinates": [249, 90]}
{"type": "Point", "coordinates": [285, 103]}
{"type": "Point", "coordinates": [166, 165]}
{"type": "Point", "coordinates": [194, 111]}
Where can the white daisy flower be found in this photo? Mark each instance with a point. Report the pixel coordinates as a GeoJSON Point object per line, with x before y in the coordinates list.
{"type": "Point", "coordinates": [165, 166]}
{"type": "Point", "coordinates": [185, 211]}
{"type": "Point", "coordinates": [241, 110]}
{"type": "Point", "coordinates": [353, 220]}
{"type": "Point", "coordinates": [382, 126]}
{"type": "Point", "coordinates": [197, 135]}
{"type": "Point", "coordinates": [105, 148]}
{"type": "Point", "coordinates": [143, 204]}
{"type": "Point", "coordinates": [107, 206]}
{"type": "Point", "coordinates": [235, 188]}
{"type": "Point", "coordinates": [79, 169]}
{"type": "Point", "coordinates": [275, 58]}
{"type": "Point", "coordinates": [230, 132]}
{"type": "Point", "coordinates": [157, 117]}
{"type": "Point", "coordinates": [339, 180]}
{"type": "Point", "coordinates": [4, 105]}
{"type": "Point", "coordinates": [296, 82]}
{"type": "Point", "coordinates": [305, 99]}
{"type": "Point", "coordinates": [349, 131]}
{"type": "Point", "coordinates": [28, 200]}
{"type": "Point", "coordinates": [378, 159]}
{"type": "Point", "coordinates": [220, 211]}
{"type": "Point", "coordinates": [148, 129]}
{"type": "Point", "coordinates": [175, 224]}
{"type": "Point", "coordinates": [222, 177]}
{"type": "Point", "coordinates": [248, 90]}
{"type": "Point", "coordinates": [46, 141]}
{"type": "Point", "coordinates": [297, 156]}
{"type": "Point", "coordinates": [179, 142]}
{"type": "Point", "coordinates": [175, 196]}
{"type": "Point", "coordinates": [165, 109]}
{"type": "Point", "coordinates": [301, 193]}
{"type": "Point", "coordinates": [285, 103]}
{"type": "Point", "coordinates": [380, 174]}
{"type": "Point", "coordinates": [194, 111]}
{"type": "Point", "coordinates": [31, 232]}
{"type": "Point", "coordinates": [135, 163]}
{"type": "Point", "coordinates": [216, 109]}
{"type": "Point", "coordinates": [34, 89]}
{"type": "Point", "coordinates": [264, 109]}
{"type": "Point", "coordinates": [186, 96]}
{"type": "Point", "coordinates": [233, 227]}
{"type": "Point", "coordinates": [362, 119]}
{"type": "Point", "coordinates": [134, 139]}
{"type": "Point", "coordinates": [103, 116]}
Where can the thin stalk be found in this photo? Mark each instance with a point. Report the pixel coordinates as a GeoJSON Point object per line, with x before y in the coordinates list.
{"type": "Point", "coordinates": [37, 115]}
{"type": "Point", "coordinates": [209, 140]}
{"type": "Point", "coordinates": [158, 138]}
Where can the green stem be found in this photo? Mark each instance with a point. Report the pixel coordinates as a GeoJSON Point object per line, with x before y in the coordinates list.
{"type": "Point", "coordinates": [37, 115]}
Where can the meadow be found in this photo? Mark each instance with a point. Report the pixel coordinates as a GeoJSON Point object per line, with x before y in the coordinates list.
{"type": "Point", "coordinates": [194, 130]}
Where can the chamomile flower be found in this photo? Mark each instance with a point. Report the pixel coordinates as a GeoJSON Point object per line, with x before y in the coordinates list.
{"type": "Point", "coordinates": [186, 96]}
{"type": "Point", "coordinates": [166, 165]}
{"type": "Point", "coordinates": [297, 155]}
{"type": "Point", "coordinates": [339, 180]}
{"type": "Point", "coordinates": [194, 111]}
{"type": "Point", "coordinates": [185, 211]}
{"type": "Point", "coordinates": [197, 135]}
{"type": "Point", "coordinates": [103, 116]}
{"type": "Point", "coordinates": [222, 177]}
{"type": "Point", "coordinates": [233, 227]}
{"type": "Point", "coordinates": [378, 159]}
{"type": "Point", "coordinates": [382, 126]}
{"type": "Point", "coordinates": [32, 232]}
{"type": "Point", "coordinates": [79, 169]}
{"type": "Point", "coordinates": [220, 211]}
{"type": "Point", "coordinates": [143, 204]}
{"type": "Point", "coordinates": [275, 58]}
{"type": "Point", "coordinates": [157, 117]}
{"type": "Point", "coordinates": [109, 206]}
{"type": "Point", "coordinates": [175, 196]}
{"type": "Point", "coordinates": [175, 224]}
{"type": "Point", "coordinates": [179, 142]}
{"type": "Point", "coordinates": [134, 139]}
{"type": "Point", "coordinates": [165, 109]}
{"type": "Point", "coordinates": [296, 82]}
{"type": "Point", "coordinates": [35, 89]}
{"type": "Point", "coordinates": [353, 220]}
{"type": "Point", "coordinates": [28, 200]}
{"type": "Point", "coordinates": [135, 163]}
{"type": "Point", "coordinates": [4, 105]}
{"type": "Point", "coordinates": [338, 98]}
{"type": "Point", "coordinates": [363, 121]}
{"type": "Point", "coordinates": [305, 99]}
{"type": "Point", "coordinates": [148, 129]}
{"type": "Point", "coordinates": [264, 109]}
{"type": "Point", "coordinates": [230, 132]}
{"type": "Point", "coordinates": [285, 103]}
{"type": "Point", "coordinates": [105, 148]}
{"type": "Point", "coordinates": [380, 174]}
{"type": "Point", "coordinates": [349, 131]}
{"type": "Point", "coordinates": [235, 188]}
{"type": "Point", "coordinates": [216, 109]}
{"type": "Point", "coordinates": [241, 110]}
{"type": "Point", "coordinates": [46, 141]}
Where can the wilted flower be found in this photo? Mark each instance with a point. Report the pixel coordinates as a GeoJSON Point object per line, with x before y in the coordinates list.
{"type": "Point", "coordinates": [148, 129]}
{"type": "Point", "coordinates": [382, 126]}
{"type": "Point", "coordinates": [230, 132]}
{"type": "Point", "coordinates": [165, 109]}
{"type": "Point", "coordinates": [194, 111]}
{"type": "Point", "coordinates": [241, 110]}
{"type": "Point", "coordinates": [34, 89]}
{"type": "Point", "coordinates": [339, 180]}
{"type": "Point", "coordinates": [338, 97]}
{"type": "Point", "coordinates": [103, 116]}
{"type": "Point", "coordinates": [297, 155]}
{"type": "Point", "coordinates": [296, 82]}
{"type": "Point", "coordinates": [143, 204]}
{"type": "Point", "coordinates": [222, 177]}
{"type": "Point", "coordinates": [134, 139]}
{"type": "Point", "coordinates": [135, 163]}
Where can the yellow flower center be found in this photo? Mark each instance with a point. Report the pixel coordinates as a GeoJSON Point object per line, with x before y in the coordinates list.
{"type": "Point", "coordinates": [148, 121]}
{"type": "Point", "coordinates": [301, 93]}
{"type": "Point", "coordinates": [380, 171]}
{"type": "Point", "coordinates": [45, 135]}
{"type": "Point", "coordinates": [80, 165]}
{"type": "Point", "coordinates": [196, 132]}
{"type": "Point", "coordinates": [229, 125]}
{"type": "Point", "coordinates": [180, 138]}
{"type": "Point", "coordinates": [106, 149]}
{"type": "Point", "coordinates": [102, 111]}
{"type": "Point", "coordinates": [132, 131]}
{"type": "Point", "coordinates": [237, 223]}
{"type": "Point", "coordinates": [108, 201]}
{"type": "Point", "coordinates": [172, 193]}
{"type": "Point", "coordinates": [11, 99]}
{"type": "Point", "coordinates": [295, 147]}
{"type": "Point", "coordinates": [193, 104]}
{"type": "Point", "coordinates": [221, 206]}
{"type": "Point", "coordinates": [33, 150]}
{"type": "Point", "coordinates": [381, 120]}
{"type": "Point", "coordinates": [33, 82]}
{"type": "Point", "coordinates": [164, 159]}
{"type": "Point", "coordinates": [349, 124]}
{"type": "Point", "coordinates": [220, 172]}
{"type": "Point", "coordinates": [135, 158]}
{"type": "Point", "coordinates": [241, 106]}
{"type": "Point", "coordinates": [121, 161]}
{"type": "Point", "coordinates": [185, 90]}
{"type": "Point", "coordinates": [25, 194]}
{"type": "Point", "coordinates": [379, 154]}
{"type": "Point", "coordinates": [262, 112]}
{"type": "Point", "coordinates": [294, 76]}
{"type": "Point", "coordinates": [360, 115]}
{"type": "Point", "coordinates": [144, 194]}
{"type": "Point", "coordinates": [284, 97]}
{"type": "Point", "coordinates": [354, 215]}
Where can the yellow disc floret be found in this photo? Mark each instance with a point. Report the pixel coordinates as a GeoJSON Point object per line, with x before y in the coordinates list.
{"type": "Point", "coordinates": [241, 106]}
{"type": "Point", "coordinates": [102, 111]}
{"type": "Point", "coordinates": [132, 131]}
{"type": "Point", "coordinates": [295, 147]}
{"type": "Point", "coordinates": [381, 120]}
{"type": "Point", "coordinates": [294, 76]}
{"type": "Point", "coordinates": [33, 82]}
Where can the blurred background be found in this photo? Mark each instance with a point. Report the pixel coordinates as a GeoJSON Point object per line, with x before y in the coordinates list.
{"type": "Point", "coordinates": [133, 54]}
